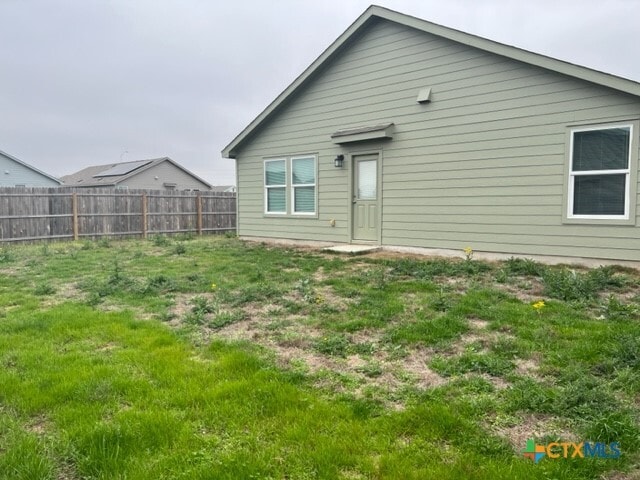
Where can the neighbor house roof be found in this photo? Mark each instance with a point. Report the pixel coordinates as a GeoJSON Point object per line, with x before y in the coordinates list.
{"type": "Point", "coordinates": [222, 188]}
{"type": "Point", "coordinates": [374, 13]}
{"type": "Point", "coordinates": [31, 167]}
{"type": "Point", "coordinates": [112, 174]}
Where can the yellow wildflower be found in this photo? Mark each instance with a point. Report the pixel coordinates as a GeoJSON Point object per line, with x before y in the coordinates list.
{"type": "Point", "coordinates": [468, 252]}
{"type": "Point", "coordinates": [213, 286]}
{"type": "Point", "coordinates": [538, 306]}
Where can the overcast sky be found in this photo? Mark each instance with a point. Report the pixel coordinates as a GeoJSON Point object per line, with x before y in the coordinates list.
{"type": "Point", "coordinates": [87, 82]}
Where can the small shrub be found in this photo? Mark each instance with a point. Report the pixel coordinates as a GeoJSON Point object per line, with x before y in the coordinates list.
{"type": "Point", "coordinates": [605, 277]}
{"type": "Point", "coordinates": [116, 281]}
{"type": "Point", "coordinates": [160, 241]}
{"type": "Point", "coordinates": [193, 318]}
{"type": "Point", "coordinates": [614, 309]}
{"type": "Point", "coordinates": [371, 370]}
{"type": "Point", "coordinates": [568, 285]}
{"type": "Point", "coordinates": [523, 266]}
{"type": "Point", "coordinates": [166, 316]}
{"type": "Point", "coordinates": [104, 242]}
{"type": "Point", "coordinates": [231, 234]}
{"type": "Point", "coordinates": [87, 245]}
{"type": "Point", "coordinates": [6, 255]}
{"type": "Point", "coordinates": [201, 305]}
{"type": "Point", "coordinates": [376, 277]}
{"type": "Point", "coordinates": [306, 290]}
{"type": "Point", "coordinates": [179, 249]}
{"type": "Point", "coordinates": [44, 289]}
{"type": "Point", "coordinates": [364, 348]}
{"type": "Point", "coordinates": [186, 237]}
{"type": "Point", "coordinates": [253, 292]}
{"type": "Point", "coordinates": [442, 302]}
{"type": "Point", "coordinates": [160, 283]}
{"type": "Point", "coordinates": [117, 277]}
{"type": "Point", "coordinates": [502, 275]}
{"type": "Point", "coordinates": [226, 318]}
{"type": "Point", "coordinates": [94, 298]}
{"type": "Point", "coordinates": [438, 267]}
{"type": "Point", "coordinates": [334, 345]}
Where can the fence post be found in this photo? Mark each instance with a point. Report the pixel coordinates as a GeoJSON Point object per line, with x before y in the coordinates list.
{"type": "Point", "coordinates": [144, 215]}
{"type": "Point", "coordinates": [74, 211]}
{"type": "Point", "coordinates": [199, 212]}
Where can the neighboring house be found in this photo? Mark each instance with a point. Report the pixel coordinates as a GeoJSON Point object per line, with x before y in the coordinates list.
{"type": "Point", "coordinates": [224, 188]}
{"type": "Point", "coordinates": [445, 140]}
{"type": "Point", "coordinates": [156, 174]}
{"type": "Point", "coordinates": [16, 173]}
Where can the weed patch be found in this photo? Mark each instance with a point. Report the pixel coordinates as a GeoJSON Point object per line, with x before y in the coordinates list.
{"type": "Point", "coordinates": [336, 367]}
{"type": "Point", "coordinates": [570, 285]}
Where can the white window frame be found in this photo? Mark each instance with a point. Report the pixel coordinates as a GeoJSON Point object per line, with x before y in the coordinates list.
{"type": "Point", "coordinates": [267, 187]}
{"type": "Point", "coordinates": [626, 172]}
{"type": "Point", "coordinates": [296, 185]}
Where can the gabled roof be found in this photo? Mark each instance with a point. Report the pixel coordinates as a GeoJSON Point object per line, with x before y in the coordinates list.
{"type": "Point", "coordinates": [30, 167]}
{"type": "Point", "coordinates": [375, 12]}
{"type": "Point", "coordinates": [112, 174]}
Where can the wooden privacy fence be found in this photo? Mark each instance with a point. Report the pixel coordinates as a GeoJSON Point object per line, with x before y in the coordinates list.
{"type": "Point", "coordinates": [58, 213]}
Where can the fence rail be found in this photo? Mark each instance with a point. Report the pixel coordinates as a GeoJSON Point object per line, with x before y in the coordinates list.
{"type": "Point", "coordinates": [58, 213]}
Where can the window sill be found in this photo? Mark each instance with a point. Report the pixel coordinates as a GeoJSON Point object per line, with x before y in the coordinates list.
{"type": "Point", "coordinates": [291, 215]}
{"type": "Point", "coordinates": [629, 222]}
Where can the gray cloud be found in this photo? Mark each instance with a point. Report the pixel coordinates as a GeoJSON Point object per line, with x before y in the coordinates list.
{"type": "Point", "coordinates": [83, 81]}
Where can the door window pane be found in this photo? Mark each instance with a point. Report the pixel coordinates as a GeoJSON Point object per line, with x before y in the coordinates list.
{"type": "Point", "coordinates": [367, 179]}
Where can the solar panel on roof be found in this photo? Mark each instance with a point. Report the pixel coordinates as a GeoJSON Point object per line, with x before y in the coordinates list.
{"type": "Point", "coordinates": [122, 169]}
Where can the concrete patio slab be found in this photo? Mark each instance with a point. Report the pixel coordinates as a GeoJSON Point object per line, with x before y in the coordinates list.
{"type": "Point", "coordinates": [353, 249]}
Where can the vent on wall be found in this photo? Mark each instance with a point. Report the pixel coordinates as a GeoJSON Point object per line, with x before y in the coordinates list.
{"type": "Point", "coordinates": [424, 95]}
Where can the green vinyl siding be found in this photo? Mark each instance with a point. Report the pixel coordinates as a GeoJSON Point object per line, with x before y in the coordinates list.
{"type": "Point", "coordinates": [483, 164]}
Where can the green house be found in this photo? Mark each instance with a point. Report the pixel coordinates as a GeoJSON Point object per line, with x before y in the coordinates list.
{"type": "Point", "coordinates": [404, 133]}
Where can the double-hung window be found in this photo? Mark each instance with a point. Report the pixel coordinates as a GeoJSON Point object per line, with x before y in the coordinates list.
{"type": "Point", "coordinates": [303, 185]}
{"type": "Point", "coordinates": [290, 186]}
{"type": "Point", "coordinates": [275, 186]}
{"type": "Point", "coordinates": [600, 172]}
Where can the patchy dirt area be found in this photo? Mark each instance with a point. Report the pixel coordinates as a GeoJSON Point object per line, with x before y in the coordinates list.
{"type": "Point", "coordinates": [64, 293]}
{"type": "Point", "coordinates": [518, 430]}
{"type": "Point", "coordinates": [372, 363]}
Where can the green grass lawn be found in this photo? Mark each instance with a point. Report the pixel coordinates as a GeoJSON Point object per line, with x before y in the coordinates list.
{"type": "Point", "coordinates": [211, 358]}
